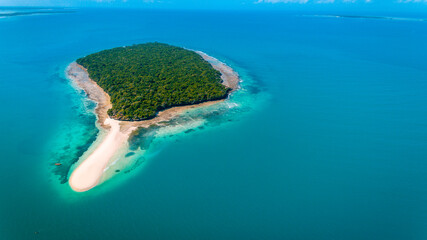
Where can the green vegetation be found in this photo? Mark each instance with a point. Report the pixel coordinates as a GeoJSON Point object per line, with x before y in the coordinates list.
{"type": "Point", "coordinates": [147, 78]}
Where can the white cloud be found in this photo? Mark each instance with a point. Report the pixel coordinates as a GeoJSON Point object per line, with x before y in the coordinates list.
{"type": "Point", "coordinates": [325, 1]}
{"type": "Point", "coordinates": [353, 1]}
{"type": "Point", "coordinates": [282, 1]}
{"type": "Point", "coordinates": [318, 1]}
{"type": "Point", "coordinates": [412, 1]}
{"type": "Point", "coordinates": [332, 1]}
{"type": "Point", "coordinates": [108, 1]}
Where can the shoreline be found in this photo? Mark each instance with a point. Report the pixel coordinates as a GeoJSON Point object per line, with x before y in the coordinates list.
{"type": "Point", "coordinates": [90, 170]}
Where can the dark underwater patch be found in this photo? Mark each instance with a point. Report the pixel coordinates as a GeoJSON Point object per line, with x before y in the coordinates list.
{"type": "Point", "coordinates": [65, 158]}
{"type": "Point", "coordinates": [189, 131]}
{"type": "Point", "coordinates": [136, 164]}
{"type": "Point", "coordinates": [129, 154]}
{"type": "Point", "coordinates": [142, 138]}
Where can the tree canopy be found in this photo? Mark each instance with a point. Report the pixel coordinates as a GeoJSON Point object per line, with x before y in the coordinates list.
{"type": "Point", "coordinates": [146, 78]}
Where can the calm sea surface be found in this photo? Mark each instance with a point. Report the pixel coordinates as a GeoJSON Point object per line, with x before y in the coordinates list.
{"type": "Point", "coordinates": [326, 140]}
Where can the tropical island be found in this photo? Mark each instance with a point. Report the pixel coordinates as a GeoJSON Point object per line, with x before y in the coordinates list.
{"type": "Point", "coordinates": [147, 78]}
{"type": "Point", "coordinates": [139, 86]}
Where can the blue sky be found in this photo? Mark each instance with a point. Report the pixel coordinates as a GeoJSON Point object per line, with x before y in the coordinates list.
{"type": "Point", "coordinates": [383, 5]}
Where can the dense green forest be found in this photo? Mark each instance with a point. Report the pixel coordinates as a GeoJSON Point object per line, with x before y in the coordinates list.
{"type": "Point", "coordinates": [147, 78]}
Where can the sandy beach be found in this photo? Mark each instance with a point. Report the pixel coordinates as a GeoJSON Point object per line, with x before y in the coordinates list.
{"type": "Point", "coordinates": [90, 170]}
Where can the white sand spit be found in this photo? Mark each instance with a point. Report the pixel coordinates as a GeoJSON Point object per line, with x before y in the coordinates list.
{"type": "Point", "coordinates": [88, 173]}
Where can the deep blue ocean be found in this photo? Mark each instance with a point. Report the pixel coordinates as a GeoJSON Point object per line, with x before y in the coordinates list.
{"type": "Point", "coordinates": [327, 139]}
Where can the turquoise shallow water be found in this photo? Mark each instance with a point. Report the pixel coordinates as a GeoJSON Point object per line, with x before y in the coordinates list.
{"type": "Point", "coordinates": [326, 140]}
